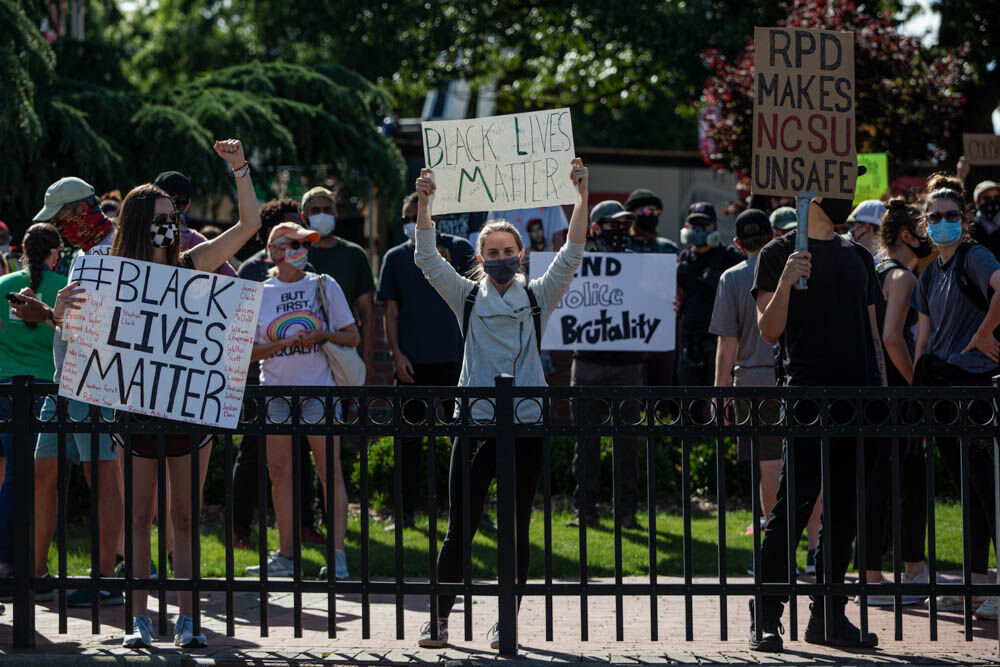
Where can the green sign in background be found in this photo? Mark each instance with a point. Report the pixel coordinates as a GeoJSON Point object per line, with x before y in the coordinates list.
{"type": "Point", "coordinates": [875, 182]}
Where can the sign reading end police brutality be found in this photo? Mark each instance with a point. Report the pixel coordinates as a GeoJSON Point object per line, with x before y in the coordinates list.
{"type": "Point", "coordinates": [616, 302]}
{"type": "Point", "coordinates": [501, 162]}
{"type": "Point", "coordinates": [160, 340]}
{"type": "Point", "coordinates": [803, 112]}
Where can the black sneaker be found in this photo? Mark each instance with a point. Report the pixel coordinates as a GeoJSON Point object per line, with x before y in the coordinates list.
{"type": "Point", "coordinates": [771, 630]}
{"type": "Point", "coordinates": [845, 634]}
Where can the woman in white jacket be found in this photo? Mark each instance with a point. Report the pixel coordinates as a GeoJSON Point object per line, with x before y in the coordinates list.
{"type": "Point", "coordinates": [500, 338]}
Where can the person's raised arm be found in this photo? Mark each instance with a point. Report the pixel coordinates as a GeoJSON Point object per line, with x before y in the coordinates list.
{"type": "Point", "coordinates": [578, 221]}
{"type": "Point", "coordinates": [210, 255]}
{"type": "Point", "coordinates": [772, 307]}
{"type": "Point", "coordinates": [553, 284]}
{"type": "Point", "coordinates": [442, 276]}
{"type": "Point", "coordinates": [899, 288]}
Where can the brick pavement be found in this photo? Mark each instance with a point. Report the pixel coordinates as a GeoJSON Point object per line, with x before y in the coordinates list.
{"type": "Point", "coordinates": [384, 648]}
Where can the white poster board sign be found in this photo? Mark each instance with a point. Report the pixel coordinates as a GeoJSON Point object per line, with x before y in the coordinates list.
{"type": "Point", "coordinates": [502, 162]}
{"type": "Point", "coordinates": [617, 302]}
{"type": "Point", "coordinates": [159, 340]}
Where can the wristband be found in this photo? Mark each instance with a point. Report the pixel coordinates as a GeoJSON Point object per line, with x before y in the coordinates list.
{"type": "Point", "coordinates": [245, 163]}
{"type": "Point", "coordinates": [242, 171]}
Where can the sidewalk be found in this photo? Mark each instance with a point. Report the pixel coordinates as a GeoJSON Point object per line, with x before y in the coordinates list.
{"type": "Point", "coordinates": [384, 648]}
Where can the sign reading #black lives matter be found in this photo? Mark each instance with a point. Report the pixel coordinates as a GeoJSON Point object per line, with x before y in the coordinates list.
{"type": "Point", "coordinates": [803, 112]}
{"type": "Point", "coordinates": [160, 340]}
{"type": "Point", "coordinates": [616, 302]}
{"type": "Point", "coordinates": [502, 162]}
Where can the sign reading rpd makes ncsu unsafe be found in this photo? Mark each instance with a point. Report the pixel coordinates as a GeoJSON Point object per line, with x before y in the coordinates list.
{"type": "Point", "coordinates": [160, 340]}
{"type": "Point", "coordinates": [501, 162]}
{"type": "Point", "coordinates": [616, 302]}
{"type": "Point", "coordinates": [803, 112]}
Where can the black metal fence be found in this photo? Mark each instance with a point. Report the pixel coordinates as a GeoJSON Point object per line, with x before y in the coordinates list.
{"type": "Point", "coordinates": [667, 417]}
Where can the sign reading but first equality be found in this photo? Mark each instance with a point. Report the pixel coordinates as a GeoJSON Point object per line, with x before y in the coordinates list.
{"type": "Point", "coordinates": [501, 162]}
{"type": "Point", "coordinates": [803, 113]}
{"type": "Point", "coordinates": [160, 340]}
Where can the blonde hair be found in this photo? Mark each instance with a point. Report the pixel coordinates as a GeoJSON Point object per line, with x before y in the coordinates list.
{"type": "Point", "coordinates": [476, 273]}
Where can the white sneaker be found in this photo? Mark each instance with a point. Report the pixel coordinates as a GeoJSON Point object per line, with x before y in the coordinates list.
{"type": "Point", "coordinates": [956, 602]}
{"type": "Point", "coordinates": [987, 611]}
{"type": "Point", "coordinates": [888, 600]}
{"type": "Point", "coordinates": [425, 640]}
{"type": "Point", "coordinates": [142, 634]}
{"type": "Point", "coordinates": [494, 635]}
{"type": "Point", "coordinates": [184, 634]}
{"type": "Point", "coordinates": [278, 566]}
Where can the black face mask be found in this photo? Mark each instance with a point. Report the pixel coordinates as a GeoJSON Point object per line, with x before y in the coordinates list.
{"type": "Point", "coordinates": [836, 209]}
{"type": "Point", "coordinates": [990, 209]}
{"type": "Point", "coordinates": [923, 248]}
{"type": "Point", "coordinates": [616, 238]}
{"type": "Point", "coordinates": [647, 223]}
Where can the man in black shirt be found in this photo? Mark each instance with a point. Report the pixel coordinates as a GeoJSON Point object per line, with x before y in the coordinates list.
{"type": "Point", "coordinates": [827, 334]}
{"type": "Point", "coordinates": [699, 268]}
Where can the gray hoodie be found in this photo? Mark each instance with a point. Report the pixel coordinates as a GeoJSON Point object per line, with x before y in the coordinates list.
{"type": "Point", "coordinates": [501, 337]}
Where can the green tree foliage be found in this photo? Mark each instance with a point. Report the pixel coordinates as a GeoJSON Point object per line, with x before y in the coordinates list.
{"type": "Point", "coordinates": [908, 101]}
{"type": "Point", "coordinates": [76, 113]}
{"type": "Point", "coordinates": [975, 25]}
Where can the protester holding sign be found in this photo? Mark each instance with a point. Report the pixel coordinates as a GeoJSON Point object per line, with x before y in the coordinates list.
{"type": "Point", "coordinates": [986, 231]}
{"type": "Point", "coordinates": [502, 316]}
{"type": "Point", "coordinates": [904, 244]}
{"type": "Point", "coordinates": [300, 312]}
{"type": "Point", "coordinates": [958, 301]}
{"type": "Point", "coordinates": [26, 349]}
{"type": "Point", "coordinates": [149, 230]}
{"type": "Point", "coordinates": [609, 227]}
{"type": "Point", "coordinates": [839, 306]}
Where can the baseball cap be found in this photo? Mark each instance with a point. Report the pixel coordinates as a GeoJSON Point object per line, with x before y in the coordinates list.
{"type": "Point", "coordinates": [64, 191]}
{"type": "Point", "coordinates": [784, 218]}
{"type": "Point", "coordinates": [700, 211]}
{"type": "Point", "coordinates": [609, 209]}
{"type": "Point", "coordinates": [175, 184]}
{"type": "Point", "coordinates": [983, 187]}
{"type": "Point", "coordinates": [870, 211]}
{"type": "Point", "coordinates": [317, 191]}
{"type": "Point", "coordinates": [752, 222]}
{"type": "Point", "coordinates": [642, 197]}
{"type": "Point", "coordinates": [292, 230]}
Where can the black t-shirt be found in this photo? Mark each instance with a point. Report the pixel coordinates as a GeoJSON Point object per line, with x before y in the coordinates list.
{"type": "Point", "coordinates": [828, 338]}
{"type": "Point", "coordinates": [884, 268]}
{"type": "Point", "coordinates": [698, 275]}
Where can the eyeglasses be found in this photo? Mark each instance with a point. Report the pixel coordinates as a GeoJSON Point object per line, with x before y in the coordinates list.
{"type": "Point", "coordinates": [292, 245]}
{"type": "Point", "coordinates": [649, 210]}
{"type": "Point", "coordinates": [160, 219]}
{"type": "Point", "coordinates": [953, 215]}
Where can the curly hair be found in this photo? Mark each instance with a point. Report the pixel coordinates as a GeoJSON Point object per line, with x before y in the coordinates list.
{"type": "Point", "coordinates": [272, 213]}
{"type": "Point", "coordinates": [943, 180]}
{"type": "Point", "coordinates": [898, 216]}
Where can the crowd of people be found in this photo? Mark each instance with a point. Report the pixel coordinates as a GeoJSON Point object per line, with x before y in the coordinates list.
{"type": "Point", "coordinates": [740, 323]}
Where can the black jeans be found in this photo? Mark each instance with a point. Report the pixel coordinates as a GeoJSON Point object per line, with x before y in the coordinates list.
{"type": "Point", "coordinates": [463, 521]}
{"type": "Point", "coordinates": [878, 501]}
{"type": "Point", "coordinates": [840, 515]}
{"type": "Point", "coordinates": [415, 412]}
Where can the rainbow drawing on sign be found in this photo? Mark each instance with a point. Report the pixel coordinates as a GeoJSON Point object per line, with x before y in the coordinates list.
{"type": "Point", "coordinates": [289, 324]}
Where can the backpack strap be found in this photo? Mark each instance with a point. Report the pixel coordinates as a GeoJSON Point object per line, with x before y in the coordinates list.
{"type": "Point", "coordinates": [536, 315]}
{"type": "Point", "coordinates": [470, 301]}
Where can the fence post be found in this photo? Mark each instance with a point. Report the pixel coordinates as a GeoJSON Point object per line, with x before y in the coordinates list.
{"type": "Point", "coordinates": [24, 512]}
{"type": "Point", "coordinates": [506, 511]}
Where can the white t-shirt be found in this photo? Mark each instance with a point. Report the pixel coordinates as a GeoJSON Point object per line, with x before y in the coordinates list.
{"type": "Point", "coordinates": [289, 308]}
{"type": "Point", "coordinates": [537, 225]}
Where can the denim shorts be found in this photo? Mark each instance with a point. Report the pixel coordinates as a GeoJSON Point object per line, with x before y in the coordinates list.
{"type": "Point", "coordinates": [77, 444]}
{"type": "Point", "coordinates": [279, 410]}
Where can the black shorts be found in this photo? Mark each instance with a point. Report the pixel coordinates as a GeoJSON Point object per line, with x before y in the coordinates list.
{"type": "Point", "coordinates": [146, 445]}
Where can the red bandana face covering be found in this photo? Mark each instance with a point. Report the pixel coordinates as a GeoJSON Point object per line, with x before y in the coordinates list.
{"type": "Point", "coordinates": [85, 231]}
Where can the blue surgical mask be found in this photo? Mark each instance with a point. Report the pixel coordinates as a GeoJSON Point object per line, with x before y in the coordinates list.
{"type": "Point", "coordinates": [945, 233]}
{"type": "Point", "coordinates": [323, 223]}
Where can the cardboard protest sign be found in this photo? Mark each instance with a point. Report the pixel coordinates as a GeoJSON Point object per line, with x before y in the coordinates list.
{"type": "Point", "coordinates": [502, 162]}
{"type": "Point", "coordinates": [160, 340]}
{"type": "Point", "coordinates": [982, 148]}
{"type": "Point", "coordinates": [616, 302]}
{"type": "Point", "coordinates": [803, 112]}
{"type": "Point", "coordinates": [874, 183]}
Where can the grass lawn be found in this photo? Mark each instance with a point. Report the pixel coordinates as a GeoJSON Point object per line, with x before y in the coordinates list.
{"type": "Point", "coordinates": [565, 547]}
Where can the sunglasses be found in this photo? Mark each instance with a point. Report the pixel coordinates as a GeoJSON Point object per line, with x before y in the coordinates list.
{"type": "Point", "coordinates": [951, 216]}
{"type": "Point", "coordinates": [161, 219]}
{"type": "Point", "coordinates": [406, 220]}
{"type": "Point", "coordinates": [648, 210]}
{"type": "Point", "coordinates": [292, 245]}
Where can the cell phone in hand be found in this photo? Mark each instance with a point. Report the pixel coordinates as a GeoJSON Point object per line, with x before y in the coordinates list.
{"type": "Point", "coordinates": [14, 298]}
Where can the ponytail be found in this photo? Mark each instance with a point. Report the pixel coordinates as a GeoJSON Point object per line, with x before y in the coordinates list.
{"type": "Point", "coordinates": [38, 243]}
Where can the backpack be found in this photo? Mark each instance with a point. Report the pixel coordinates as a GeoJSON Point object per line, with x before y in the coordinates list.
{"type": "Point", "coordinates": [536, 314]}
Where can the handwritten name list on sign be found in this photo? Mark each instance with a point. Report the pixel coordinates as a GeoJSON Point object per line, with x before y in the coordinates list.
{"type": "Point", "coordinates": [501, 162]}
{"type": "Point", "coordinates": [616, 302]}
{"type": "Point", "coordinates": [803, 112]}
{"type": "Point", "coordinates": [160, 340]}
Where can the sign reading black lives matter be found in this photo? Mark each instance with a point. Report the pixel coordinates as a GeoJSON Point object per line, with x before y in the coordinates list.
{"type": "Point", "coordinates": [160, 340]}
{"type": "Point", "coordinates": [616, 302]}
{"type": "Point", "coordinates": [803, 112]}
{"type": "Point", "coordinates": [502, 162]}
